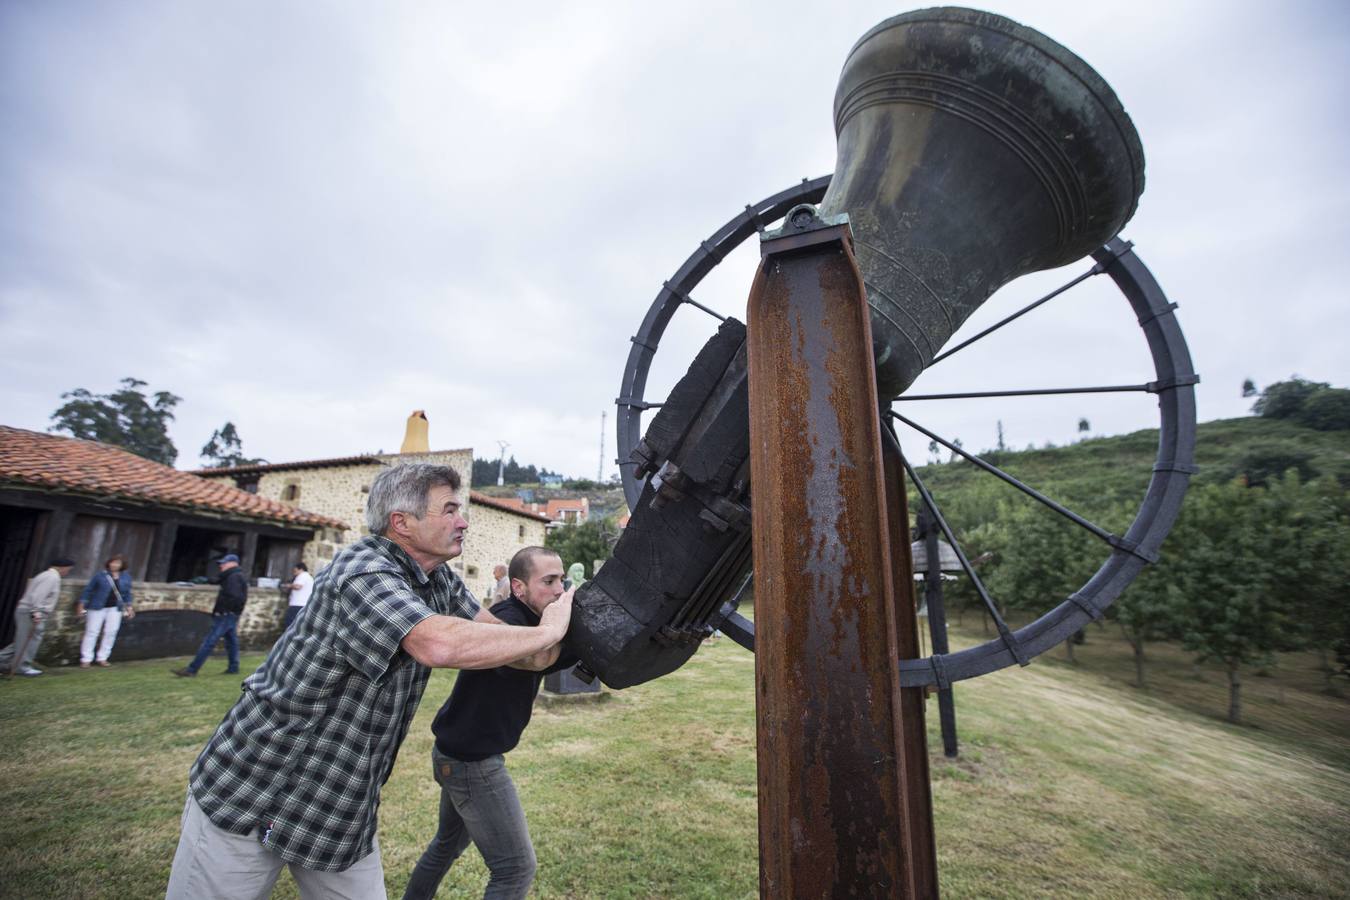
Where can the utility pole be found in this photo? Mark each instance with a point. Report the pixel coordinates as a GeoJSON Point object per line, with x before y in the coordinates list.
{"type": "Point", "coordinates": [600, 469]}
{"type": "Point", "coordinates": [501, 462]}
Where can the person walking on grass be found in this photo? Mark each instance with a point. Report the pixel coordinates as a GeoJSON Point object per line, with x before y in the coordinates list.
{"type": "Point", "coordinates": [230, 602]}
{"type": "Point", "coordinates": [292, 775]}
{"type": "Point", "coordinates": [483, 720]}
{"type": "Point", "coordinates": [103, 603]}
{"type": "Point", "coordinates": [30, 618]}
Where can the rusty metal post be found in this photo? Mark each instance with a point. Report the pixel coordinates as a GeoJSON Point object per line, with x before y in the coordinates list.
{"type": "Point", "coordinates": [844, 806]}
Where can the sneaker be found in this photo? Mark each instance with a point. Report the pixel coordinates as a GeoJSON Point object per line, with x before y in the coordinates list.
{"type": "Point", "coordinates": [185, 673]}
{"type": "Point", "coordinates": [84, 665]}
{"type": "Point", "coordinates": [104, 663]}
{"type": "Point", "coordinates": [30, 671]}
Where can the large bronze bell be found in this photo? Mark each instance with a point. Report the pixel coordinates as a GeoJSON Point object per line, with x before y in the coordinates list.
{"type": "Point", "coordinates": [971, 150]}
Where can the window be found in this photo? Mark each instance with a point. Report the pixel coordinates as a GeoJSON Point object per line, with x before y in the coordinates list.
{"type": "Point", "coordinates": [522, 532]}
{"type": "Point", "coordinates": [248, 483]}
{"type": "Point", "coordinates": [290, 493]}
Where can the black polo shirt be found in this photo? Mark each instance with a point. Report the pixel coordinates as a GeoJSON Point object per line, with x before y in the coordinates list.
{"type": "Point", "coordinates": [489, 708]}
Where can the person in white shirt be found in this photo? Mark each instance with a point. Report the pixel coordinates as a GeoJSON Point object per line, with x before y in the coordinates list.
{"type": "Point", "coordinates": [30, 617]}
{"type": "Point", "coordinates": [502, 589]}
{"type": "Point", "coordinates": [301, 586]}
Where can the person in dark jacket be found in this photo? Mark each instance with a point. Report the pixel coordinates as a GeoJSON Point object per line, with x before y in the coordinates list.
{"type": "Point", "coordinates": [224, 618]}
{"type": "Point", "coordinates": [484, 718]}
{"type": "Point", "coordinates": [105, 600]}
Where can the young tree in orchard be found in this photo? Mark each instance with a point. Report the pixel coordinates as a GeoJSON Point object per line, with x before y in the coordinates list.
{"type": "Point", "coordinates": [1314, 550]}
{"type": "Point", "coordinates": [126, 418]}
{"type": "Point", "coordinates": [1044, 558]}
{"type": "Point", "coordinates": [225, 450]}
{"type": "Point", "coordinates": [1147, 611]}
{"type": "Point", "coordinates": [1238, 598]}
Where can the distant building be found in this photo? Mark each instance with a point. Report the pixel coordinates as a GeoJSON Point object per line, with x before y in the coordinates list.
{"type": "Point", "coordinates": [339, 487]}
{"type": "Point", "coordinates": [572, 511]}
{"type": "Point", "coordinates": [86, 500]}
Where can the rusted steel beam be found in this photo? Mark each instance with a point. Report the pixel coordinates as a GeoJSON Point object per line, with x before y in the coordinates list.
{"type": "Point", "coordinates": [836, 811]}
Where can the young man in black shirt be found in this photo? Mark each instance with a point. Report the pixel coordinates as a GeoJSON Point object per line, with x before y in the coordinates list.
{"type": "Point", "coordinates": [483, 719]}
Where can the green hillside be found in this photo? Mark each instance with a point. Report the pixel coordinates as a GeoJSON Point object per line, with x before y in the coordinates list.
{"type": "Point", "coordinates": [1099, 473]}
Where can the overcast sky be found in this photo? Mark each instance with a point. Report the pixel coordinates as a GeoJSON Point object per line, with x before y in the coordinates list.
{"type": "Point", "coordinates": [310, 219]}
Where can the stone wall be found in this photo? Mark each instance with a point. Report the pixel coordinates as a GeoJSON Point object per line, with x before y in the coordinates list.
{"type": "Point", "coordinates": [341, 492]}
{"type": "Point", "coordinates": [493, 537]}
{"type": "Point", "coordinates": [259, 626]}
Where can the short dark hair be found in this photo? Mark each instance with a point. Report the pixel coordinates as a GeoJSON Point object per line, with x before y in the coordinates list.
{"type": "Point", "coordinates": [522, 564]}
{"type": "Point", "coordinates": [60, 562]}
{"type": "Point", "coordinates": [117, 556]}
{"type": "Point", "coordinates": [301, 566]}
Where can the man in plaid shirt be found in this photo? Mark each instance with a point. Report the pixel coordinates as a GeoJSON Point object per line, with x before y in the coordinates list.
{"type": "Point", "coordinates": [293, 773]}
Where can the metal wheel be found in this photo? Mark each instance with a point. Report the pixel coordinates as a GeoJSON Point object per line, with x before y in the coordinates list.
{"type": "Point", "coordinates": [1173, 383]}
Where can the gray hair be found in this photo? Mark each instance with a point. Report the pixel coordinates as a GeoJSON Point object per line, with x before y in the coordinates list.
{"type": "Point", "coordinates": [404, 489]}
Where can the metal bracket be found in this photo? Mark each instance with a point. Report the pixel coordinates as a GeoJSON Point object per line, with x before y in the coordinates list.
{"type": "Point", "coordinates": [1158, 313]}
{"type": "Point", "coordinates": [1132, 548]}
{"type": "Point", "coordinates": [1086, 605]}
{"type": "Point", "coordinates": [669, 483]}
{"type": "Point", "coordinates": [1115, 254]}
{"type": "Point", "coordinates": [940, 677]}
{"type": "Point", "coordinates": [1168, 384]}
{"type": "Point", "coordinates": [803, 227]}
{"type": "Point", "coordinates": [635, 404]}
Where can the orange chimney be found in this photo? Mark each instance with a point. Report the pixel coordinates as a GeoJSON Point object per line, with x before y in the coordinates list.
{"type": "Point", "coordinates": [415, 438]}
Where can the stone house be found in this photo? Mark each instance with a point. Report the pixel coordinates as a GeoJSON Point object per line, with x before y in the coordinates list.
{"type": "Point", "coordinates": [65, 497]}
{"type": "Point", "coordinates": [338, 488]}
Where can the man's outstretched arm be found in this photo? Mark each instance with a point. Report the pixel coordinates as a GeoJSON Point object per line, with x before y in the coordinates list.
{"type": "Point", "coordinates": [451, 642]}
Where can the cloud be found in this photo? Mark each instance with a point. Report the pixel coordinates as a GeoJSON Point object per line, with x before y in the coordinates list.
{"type": "Point", "coordinates": [312, 220]}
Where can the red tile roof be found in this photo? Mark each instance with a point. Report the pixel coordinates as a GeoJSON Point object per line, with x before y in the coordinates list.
{"type": "Point", "coordinates": [506, 504]}
{"type": "Point", "coordinates": [231, 471]}
{"type": "Point", "coordinates": [52, 462]}
{"type": "Point", "coordinates": [366, 459]}
{"type": "Point", "coordinates": [557, 507]}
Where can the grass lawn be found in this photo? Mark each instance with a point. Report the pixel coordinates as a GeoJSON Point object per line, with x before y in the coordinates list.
{"type": "Point", "coordinates": [1071, 783]}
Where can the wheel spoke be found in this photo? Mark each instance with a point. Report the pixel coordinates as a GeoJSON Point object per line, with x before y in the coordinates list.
{"type": "Point", "coordinates": [636, 404]}
{"type": "Point", "coordinates": [1095, 270]}
{"type": "Point", "coordinates": [1031, 492]}
{"type": "Point", "coordinates": [685, 298]}
{"type": "Point", "coordinates": [1004, 632]}
{"type": "Point", "coordinates": [1034, 392]}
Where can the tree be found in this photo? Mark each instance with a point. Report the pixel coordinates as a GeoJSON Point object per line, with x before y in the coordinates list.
{"type": "Point", "coordinates": [1234, 580]}
{"type": "Point", "coordinates": [1147, 611]}
{"type": "Point", "coordinates": [1327, 409]}
{"type": "Point", "coordinates": [1284, 399]}
{"type": "Point", "coordinates": [1084, 426]}
{"type": "Point", "coordinates": [1043, 559]}
{"type": "Point", "coordinates": [125, 418]}
{"type": "Point", "coordinates": [225, 450]}
{"type": "Point", "coordinates": [1000, 446]}
{"type": "Point", "coordinates": [1248, 388]}
{"type": "Point", "coordinates": [584, 542]}
{"type": "Point", "coordinates": [933, 453]}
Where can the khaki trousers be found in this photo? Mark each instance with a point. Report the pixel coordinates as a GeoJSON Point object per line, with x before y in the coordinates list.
{"type": "Point", "coordinates": [213, 864]}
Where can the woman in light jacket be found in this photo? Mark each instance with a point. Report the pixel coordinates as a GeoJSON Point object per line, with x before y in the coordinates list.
{"type": "Point", "coordinates": [105, 599]}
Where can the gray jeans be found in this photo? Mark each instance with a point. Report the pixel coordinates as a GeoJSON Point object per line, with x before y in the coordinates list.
{"type": "Point", "coordinates": [479, 804]}
{"type": "Point", "coordinates": [27, 637]}
{"type": "Point", "coordinates": [214, 864]}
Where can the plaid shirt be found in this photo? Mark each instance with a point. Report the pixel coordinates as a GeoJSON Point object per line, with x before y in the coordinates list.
{"type": "Point", "coordinates": [302, 756]}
